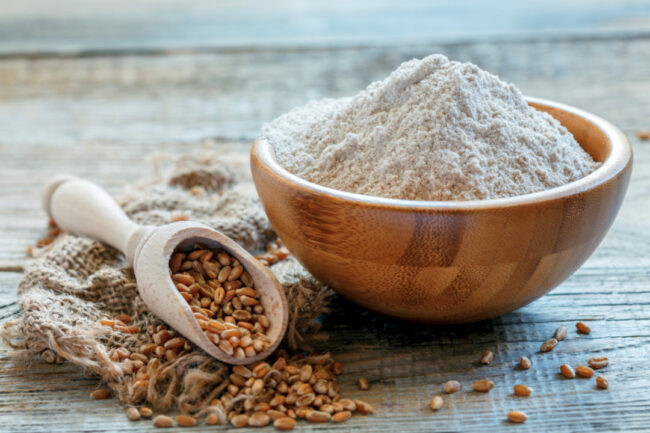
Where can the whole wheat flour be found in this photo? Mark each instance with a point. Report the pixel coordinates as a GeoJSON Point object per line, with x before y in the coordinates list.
{"type": "Point", "coordinates": [75, 282]}
{"type": "Point", "coordinates": [433, 130]}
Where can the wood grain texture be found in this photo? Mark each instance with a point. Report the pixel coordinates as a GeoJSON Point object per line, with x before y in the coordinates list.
{"type": "Point", "coordinates": [406, 364]}
{"type": "Point", "coordinates": [449, 262]}
{"type": "Point", "coordinates": [100, 116]}
{"type": "Point", "coordinates": [8, 304]}
{"type": "Point", "coordinates": [68, 26]}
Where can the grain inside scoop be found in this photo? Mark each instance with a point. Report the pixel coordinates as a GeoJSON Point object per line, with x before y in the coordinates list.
{"type": "Point", "coordinates": [84, 208]}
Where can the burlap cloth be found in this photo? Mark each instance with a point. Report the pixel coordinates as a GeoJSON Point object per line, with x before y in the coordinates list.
{"type": "Point", "coordinates": [77, 281]}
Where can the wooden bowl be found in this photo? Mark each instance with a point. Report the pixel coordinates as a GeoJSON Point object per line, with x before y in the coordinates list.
{"type": "Point", "coordinates": [453, 261]}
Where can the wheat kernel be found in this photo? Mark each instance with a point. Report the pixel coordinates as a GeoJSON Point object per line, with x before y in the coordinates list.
{"type": "Point", "coordinates": [482, 385]}
{"type": "Point", "coordinates": [451, 386]}
{"type": "Point", "coordinates": [363, 384]}
{"type": "Point", "coordinates": [163, 421]}
{"type": "Point", "coordinates": [436, 403]}
{"type": "Point", "coordinates": [487, 357]}
{"type": "Point", "coordinates": [101, 394]}
{"type": "Point", "coordinates": [560, 333]}
{"type": "Point", "coordinates": [517, 417]}
{"type": "Point", "coordinates": [598, 362]}
{"type": "Point", "coordinates": [548, 345]}
{"type": "Point", "coordinates": [522, 390]}
{"type": "Point", "coordinates": [567, 371]}
{"type": "Point", "coordinates": [285, 423]}
{"type": "Point", "coordinates": [584, 371]}
{"type": "Point", "coordinates": [185, 421]}
{"type": "Point", "coordinates": [583, 328]}
{"type": "Point", "coordinates": [133, 413]}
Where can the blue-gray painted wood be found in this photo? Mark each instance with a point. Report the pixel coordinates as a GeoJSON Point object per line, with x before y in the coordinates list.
{"type": "Point", "coordinates": [70, 26]}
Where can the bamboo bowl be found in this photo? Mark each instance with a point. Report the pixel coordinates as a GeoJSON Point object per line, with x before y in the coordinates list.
{"type": "Point", "coordinates": [450, 262]}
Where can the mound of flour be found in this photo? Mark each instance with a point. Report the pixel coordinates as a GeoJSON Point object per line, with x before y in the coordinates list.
{"type": "Point", "coordinates": [433, 130]}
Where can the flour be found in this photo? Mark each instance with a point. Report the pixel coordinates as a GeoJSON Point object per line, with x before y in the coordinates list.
{"type": "Point", "coordinates": [433, 130]}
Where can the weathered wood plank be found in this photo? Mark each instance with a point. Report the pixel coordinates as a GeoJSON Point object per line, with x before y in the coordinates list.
{"type": "Point", "coordinates": [118, 109]}
{"type": "Point", "coordinates": [70, 26]}
{"type": "Point", "coordinates": [407, 363]}
{"type": "Point", "coordinates": [8, 305]}
{"type": "Point", "coordinates": [165, 98]}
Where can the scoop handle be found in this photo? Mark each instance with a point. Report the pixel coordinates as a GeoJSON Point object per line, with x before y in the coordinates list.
{"type": "Point", "coordinates": [84, 208]}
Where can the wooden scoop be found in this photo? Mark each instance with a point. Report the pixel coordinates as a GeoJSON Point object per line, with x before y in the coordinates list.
{"type": "Point", "coordinates": [84, 208]}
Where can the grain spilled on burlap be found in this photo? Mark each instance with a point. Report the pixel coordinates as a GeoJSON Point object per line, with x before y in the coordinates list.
{"type": "Point", "coordinates": [76, 282]}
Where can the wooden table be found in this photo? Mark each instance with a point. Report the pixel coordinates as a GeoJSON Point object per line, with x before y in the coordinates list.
{"type": "Point", "coordinates": [95, 90]}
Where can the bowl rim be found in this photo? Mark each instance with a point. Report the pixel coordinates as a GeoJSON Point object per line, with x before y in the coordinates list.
{"type": "Point", "coordinates": [618, 158]}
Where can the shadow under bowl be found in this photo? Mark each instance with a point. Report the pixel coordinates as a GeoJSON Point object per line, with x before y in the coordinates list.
{"type": "Point", "coordinates": [450, 261]}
